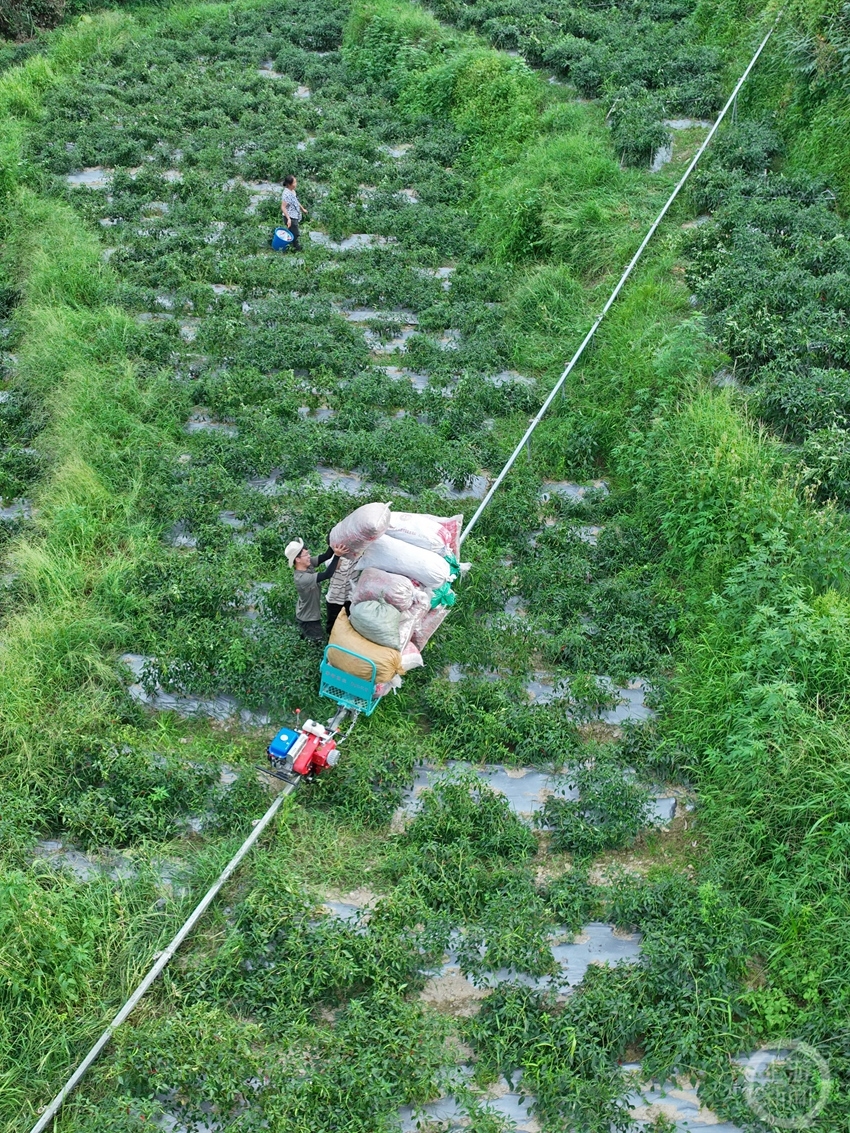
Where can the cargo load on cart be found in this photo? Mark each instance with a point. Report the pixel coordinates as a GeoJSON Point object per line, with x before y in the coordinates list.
{"type": "Point", "coordinates": [404, 565]}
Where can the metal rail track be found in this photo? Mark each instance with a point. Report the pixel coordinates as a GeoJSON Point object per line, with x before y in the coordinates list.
{"type": "Point", "coordinates": [162, 959]}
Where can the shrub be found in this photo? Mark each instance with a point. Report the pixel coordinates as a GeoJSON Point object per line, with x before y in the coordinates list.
{"type": "Point", "coordinates": [24, 18]}
{"type": "Point", "coordinates": [569, 1052]}
{"type": "Point", "coordinates": [106, 807]}
{"type": "Point", "coordinates": [826, 463]}
{"type": "Point", "coordinates": [652, 52]}
{"type": "Point", "coordinates": [564, 201]}
{"type": "Point", "coordinates": [607, 813]}
{"type": "Point", "coordinates": [460, 810]}
{"type": "Point", "coordinates": [748, 145]}
{"type": "Point", "coordinates": [772, 272]}
{"type": "Point", "coordinates": [636, 126]}
{"type": "Point", "coordinates": [385, 38]}
{"type": "Point", "coordinates": [798, 401]}
{"type": "Point", "coordinates": [573, 900]}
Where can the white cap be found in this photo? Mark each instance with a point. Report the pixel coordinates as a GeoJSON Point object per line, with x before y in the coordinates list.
{"type": "Point", "coordinates": [293, 550]}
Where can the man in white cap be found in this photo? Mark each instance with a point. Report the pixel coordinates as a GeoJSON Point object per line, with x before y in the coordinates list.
{"type": "Point", "coordinates": [307, 608]}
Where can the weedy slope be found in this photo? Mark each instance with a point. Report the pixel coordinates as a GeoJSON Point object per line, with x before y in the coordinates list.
{"type": "Point", "coordinates": [194, 400]}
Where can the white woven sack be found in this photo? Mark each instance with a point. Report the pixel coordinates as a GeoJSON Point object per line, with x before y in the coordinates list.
{"type": "Point", "coordinates": [378, 585]}
{"type": "Point", "coordinates": [432, 532]}
{"type": "Point", "coordinates": [418, 530]}
{"type": "Point", "coordinates": [398, 557]}
{"type": "Point", "coordinates": [411, 658]}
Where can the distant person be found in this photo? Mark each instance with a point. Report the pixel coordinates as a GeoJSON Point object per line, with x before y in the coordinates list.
{"type": "Point", "coordinates": [292, 210]}
{"type": "Point", "coordinates": [307, 608]}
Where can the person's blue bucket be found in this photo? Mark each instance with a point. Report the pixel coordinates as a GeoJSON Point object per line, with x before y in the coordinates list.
{"type": "Point", "coordinates": [281, 238]}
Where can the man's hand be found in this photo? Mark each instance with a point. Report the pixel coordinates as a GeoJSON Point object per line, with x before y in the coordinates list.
{"type": "Point", "coordinates": [340, 549]}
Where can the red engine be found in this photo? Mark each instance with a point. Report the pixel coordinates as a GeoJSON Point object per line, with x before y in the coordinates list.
{"type": "Point", "coordinates": [306, 752]}
{"type": "Point", "coordinates": [319, 750]}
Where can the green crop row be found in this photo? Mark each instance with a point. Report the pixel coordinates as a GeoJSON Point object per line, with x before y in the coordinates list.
{"type": "Point", "coordinates": [765, 576]}
{"type": "Point", "coordinates": [772, 271]}
{"type": "Point", "coordinates": [320, 1014]}
{"type": "Point", "coordinates": [93, 579]}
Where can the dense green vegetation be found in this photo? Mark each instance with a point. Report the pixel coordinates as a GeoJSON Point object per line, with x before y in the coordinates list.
{"type": "Point", "coordinates": [771, 269]}
{"type": "Point", "coordinates": [646, 60]}
{"type": "Point", "coordinates": [713, 575]}
{"type": "Point", "coordinates": [806, 87]}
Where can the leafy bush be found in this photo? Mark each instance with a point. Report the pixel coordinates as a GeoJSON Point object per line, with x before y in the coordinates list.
{"type": "Point", "coordinates": [608, 612]}
{"type": "Point", "coordinates": [461, 860]}
{"type": "Point", "coordinates": [804, 401]}
{"type": "Point", "coordinates": [210, 1063]}
{"type": "Point", "coordinates": [636, 126]}
{"type": "Point", "coordinates": [607, 813]}
{"type": "Point", "coordinates": [826, 462]}
{"type": "Point", "coordinates": [511, 931]}
{"type": "Point", "coordinates": [460, 810]}
{"type": "Point", "coordinates": [23, 19]}
{"type": "Point", "coordinates": [368, 782]}
{"type": "Point", "coordinates": [710, 473]}
{"type": "Point", "coordinates": [568, 200]}
{"type": "Point", "coordinates": [124, 795]}
{"type": "Point", "coordinates": [492, 100]}
{"type": "Point", "coordinates": [572, 899]}
{"type": "Point", "coordinates": [647, 57]}
{"type": "Point", "coordinates": [472, 716]}
{"type": "Point", "coordinates": [364, 1079]}
{"type": "Point", "coordinates": [202, 1055]}
{"type": "Point", "coordinates": [748, 145]}
{"type": "Point", "coordinates": [280, 961]}
{"type": "Point", "coordinates": [569, 1052]}
{"type": "Point", "coordinates": [385, 38]}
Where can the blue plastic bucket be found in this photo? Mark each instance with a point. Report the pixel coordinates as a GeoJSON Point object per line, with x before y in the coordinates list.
{"type": "Point", "coordinates": [282, 238]}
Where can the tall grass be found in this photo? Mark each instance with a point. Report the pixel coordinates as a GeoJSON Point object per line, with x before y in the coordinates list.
{"type": "Point", "coordinates": [566, 199]}
{"type": "Point", "coordinates": [70, 953]}
{"type": "Point", "coordinates": [384, 37]}
{"type": "Point", "coordinates": [100, 448]}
